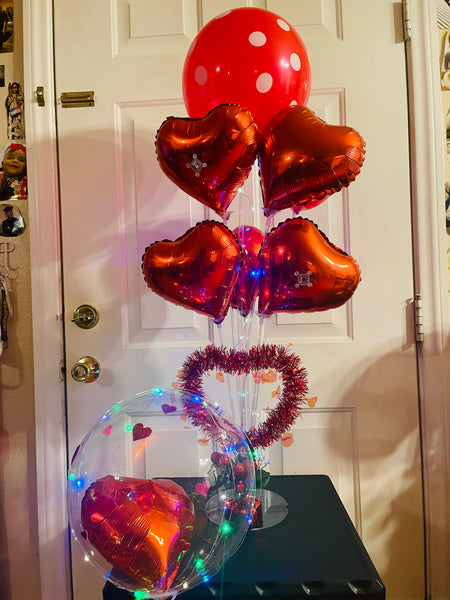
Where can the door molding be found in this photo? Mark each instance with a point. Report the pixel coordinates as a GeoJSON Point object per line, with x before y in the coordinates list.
{"type": "Point", "coordinates": [46, 276]}
{"type": "Point", "coordinates": [430, 277]}
{"type": "Point", "coordinates": [427, 135]}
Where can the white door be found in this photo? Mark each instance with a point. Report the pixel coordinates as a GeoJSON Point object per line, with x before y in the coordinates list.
{"type": "Point", "coordinates": [361, 425]}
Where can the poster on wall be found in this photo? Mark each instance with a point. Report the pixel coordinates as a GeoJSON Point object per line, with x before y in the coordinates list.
{"type": "Point", "coordinates": [6, 29]}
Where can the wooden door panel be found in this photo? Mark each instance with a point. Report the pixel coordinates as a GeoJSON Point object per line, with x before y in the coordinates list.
{"type": "Point", "coordinates": [332, 218]}
{"type": "Point", "coordinates": [151, 208]}
{"type": "Point", "coordinates": [310, 448]}
{"type": "Point", "coordinates": [323, 18]}
{"type": "Point", "coordinates": [152, 27]}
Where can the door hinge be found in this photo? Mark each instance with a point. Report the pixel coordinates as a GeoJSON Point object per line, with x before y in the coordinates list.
{"type": "Point", "coordinates": [418, 317]}
{"type": "Point", "coordinates": [406, 16]}
{"type": "Point", "coordinates": [62, 370]}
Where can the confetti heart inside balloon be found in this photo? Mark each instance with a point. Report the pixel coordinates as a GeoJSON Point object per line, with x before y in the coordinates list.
{"type": "Point", "coordinates": [141, 527]}
{"type": "Point", "coordinates": [302, 271]}
{"type": "Point", "coordinates": [287, 439]}
{"type": "Point", "coordinates": [209, 158]}
{"type": "Point", "coordinates": [202, 488]}
{"type": "Point", "coordinates": [140, 432]}
{"type": "Point", "coordinates": [303, 159]}
{"type": "Point", "coordinates": [167, 408]}
{"type": "Point", "coordinates": [197, 271]}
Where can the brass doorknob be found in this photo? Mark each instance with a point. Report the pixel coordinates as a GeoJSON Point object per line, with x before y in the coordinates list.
{"type": "Point", "coordinates": [85, 370]}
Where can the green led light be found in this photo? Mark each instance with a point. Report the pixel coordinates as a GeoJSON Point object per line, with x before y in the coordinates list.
{"type": "Point", "coordinates": [226, 528]}
{"type": "Point", "coordinates": [140, 595]}
{"type": "Point", "coordinates": [199, 564]}
{"type": "Point", "coordinates": [129, 427]}
{"type": "Point", "coordinates": [116, 407]}
{"type": "Point", "coordinates": [71, 476]}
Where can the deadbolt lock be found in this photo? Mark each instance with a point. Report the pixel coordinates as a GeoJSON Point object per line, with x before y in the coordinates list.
{"type": "Point", "coordinates": [85, 370]}
{"type": "Point", "coordinates": [85, 316]}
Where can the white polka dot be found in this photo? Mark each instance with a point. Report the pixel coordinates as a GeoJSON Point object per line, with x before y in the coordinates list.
{"type": "Point", "coordinates": [283, 25]}
{"type": "Point", "coordinates": [295, 61]}
{"type": "Point", "coordinates": [257, 38]}
{"type": "Point", "coordinates": [201, 75]}
{"type": "Point", "coordinates": [264, 83]}
{"type": "Point", "coordinates": [293, 103]}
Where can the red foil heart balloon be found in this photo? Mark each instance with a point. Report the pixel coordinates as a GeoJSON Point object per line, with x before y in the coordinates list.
{"type": "Point", "coordinates": [303, 160]}
{"type": "Point", "coordinates": [209, 158]}
{"type": "Point", "coordinates": [141, 527]}
{"type": "Point", "coordinates": [197, 271]}
{"type": "Point", "coordinates": [302, 271]}
{"type": "Point", "coordinates": [246, 288]}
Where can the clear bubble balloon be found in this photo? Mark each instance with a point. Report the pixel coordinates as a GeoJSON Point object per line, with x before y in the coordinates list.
{"type": "Point", "coordinates": [155, 504]}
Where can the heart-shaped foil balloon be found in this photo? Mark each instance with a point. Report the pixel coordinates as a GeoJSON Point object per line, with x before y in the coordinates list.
{"type": "Point", "coordinates": [246, 288]}
{"type": "Point", "coordinates": [302, 271]}
{"type": "Point", "coordinates": [141, 527]}
{"type": "Point", "coordinates": [209, 158]}
{"type": "Point", "coordinates": [198, 270]}
{"type": "Point", "coordinates": [303, 159]}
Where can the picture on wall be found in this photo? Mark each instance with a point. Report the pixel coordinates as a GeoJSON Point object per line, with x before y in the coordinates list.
{"type": "Point", "coordinates": [13, 172]}
{"type": "Point", "coordinates": [6, 28]}
{"type": "Point", "coordinates": [12, 223]}
{"type": "Point", "coordinates": [14, 108]}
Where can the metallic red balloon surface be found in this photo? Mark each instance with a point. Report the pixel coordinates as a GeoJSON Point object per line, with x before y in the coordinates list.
{"type": "Point", "coordinates": [303, 160]}
{"type": "Point", "coordinates": [246, 288]}
{"type": "Point", "coordinates": [249, 56]}
{"type": "Point", "coordinates": [302, 271]}
{"type": "Point", "coordinates": [209, 158]}
{"type": "Point", "coordinates": [141, 527]}
{"type": "Point", "coordinates": [197, 271]}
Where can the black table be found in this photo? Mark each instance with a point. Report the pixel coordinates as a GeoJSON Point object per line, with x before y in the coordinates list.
{"type": "Point", "coordinates": [314, 552]}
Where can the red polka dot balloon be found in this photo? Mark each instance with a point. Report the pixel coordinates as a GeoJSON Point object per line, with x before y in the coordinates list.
{"type": "Point", "coordinates": [246, 56]}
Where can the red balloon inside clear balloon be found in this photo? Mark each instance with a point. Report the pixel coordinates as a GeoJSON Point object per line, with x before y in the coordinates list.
{"type": "Point", "coordinates": [246, 287]}
{"type": "Point", "coordinates": [141, 527]}
{"type": "Point", "coordinates": [247, 56]}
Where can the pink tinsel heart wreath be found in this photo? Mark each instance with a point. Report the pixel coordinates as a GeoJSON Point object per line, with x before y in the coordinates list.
{"type": "Point", "coordinates": [241, 362]}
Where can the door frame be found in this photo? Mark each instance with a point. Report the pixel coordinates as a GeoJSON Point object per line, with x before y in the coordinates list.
{"type": "Point", "coordinates": [427, 177]}
{"type": "Point", "coordinates": [427, 139]}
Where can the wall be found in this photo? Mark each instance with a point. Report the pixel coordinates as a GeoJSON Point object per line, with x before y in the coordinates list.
{"type": "Point", "coordinates": [19, 569]}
